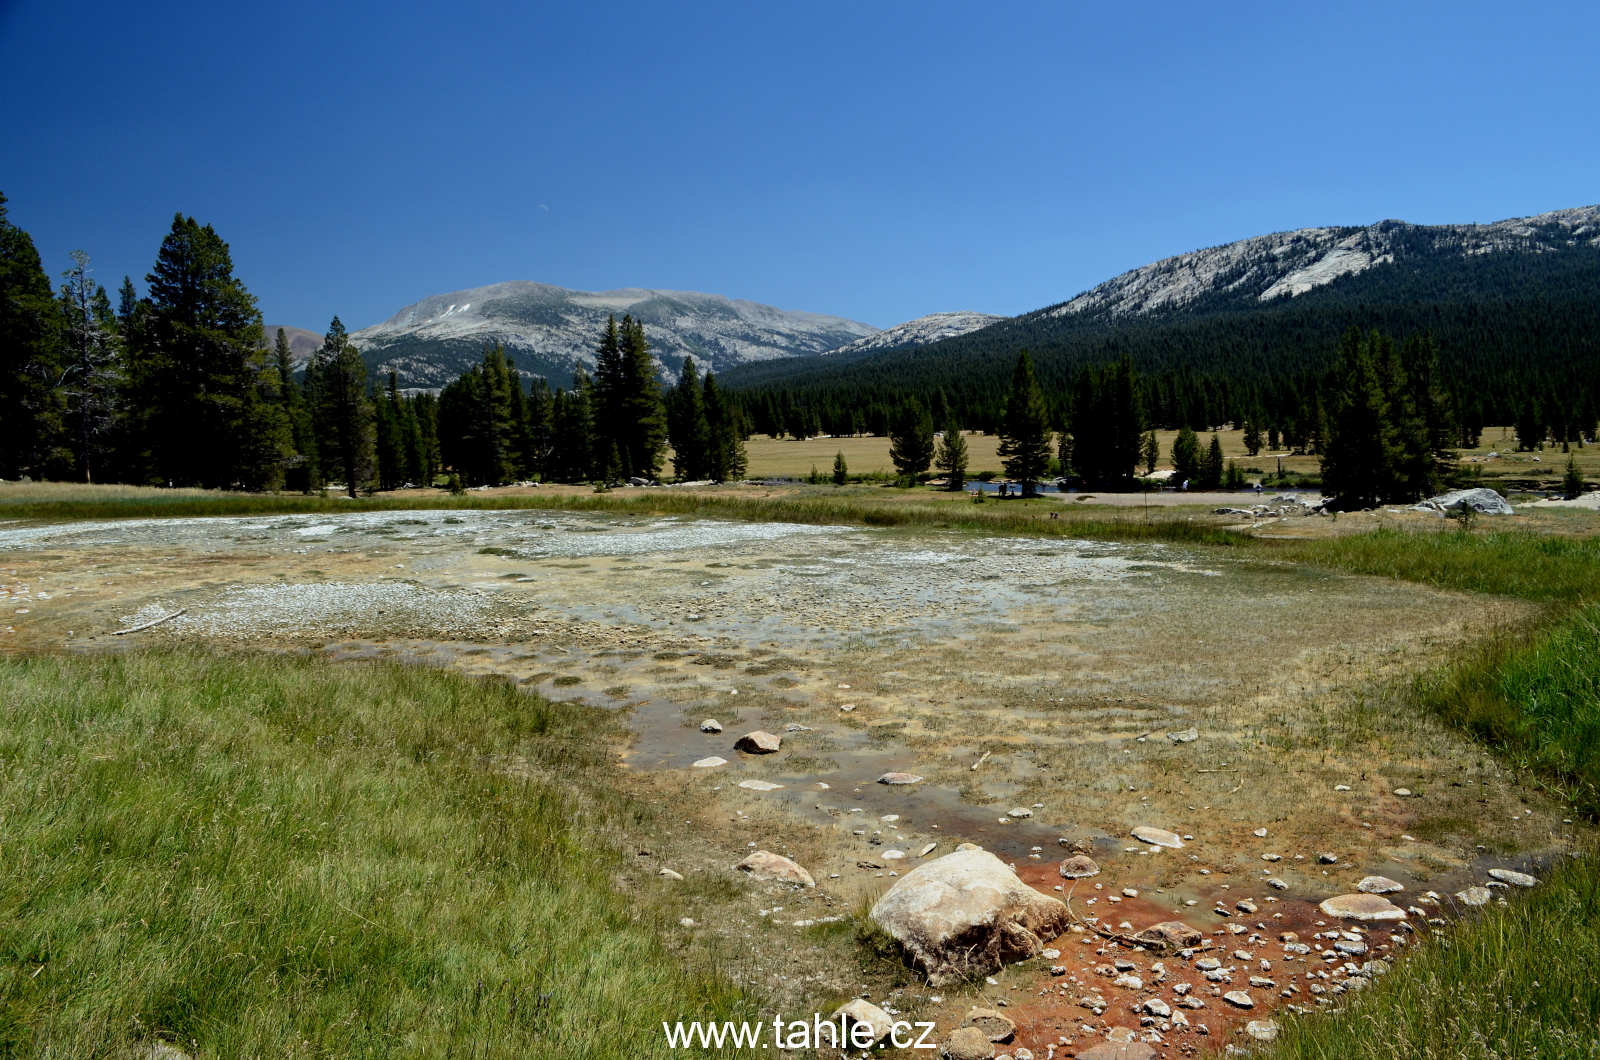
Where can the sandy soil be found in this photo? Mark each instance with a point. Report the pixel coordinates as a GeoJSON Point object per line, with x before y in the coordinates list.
{"type": "Point", "coordinates": [1011, 674]}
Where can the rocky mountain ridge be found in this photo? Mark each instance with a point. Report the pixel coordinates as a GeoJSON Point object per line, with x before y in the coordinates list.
{"type": "Point", "coordinates": [923, 331]}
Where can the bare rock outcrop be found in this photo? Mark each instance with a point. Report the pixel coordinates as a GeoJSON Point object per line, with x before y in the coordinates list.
{"type": "Point", "coordinates": [758, 743]}
{"type": "Point", "coordinates": [765, 865]}
{"type": "Point", "coordinates": [967, 913]}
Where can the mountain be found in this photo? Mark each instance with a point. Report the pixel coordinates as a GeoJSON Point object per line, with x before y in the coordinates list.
{"type": "Point", "coordinates": [549, 331]}
{"type": "Point", "coordinates": [923, 331]}
{"type": "Point", "coordinates": [1516, 296]}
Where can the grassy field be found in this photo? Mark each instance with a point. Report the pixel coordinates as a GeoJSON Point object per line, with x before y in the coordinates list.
{"type": "Point", "coordinates": [252, 856]}
{"type": "Point", "coordinates": [1513, 982]}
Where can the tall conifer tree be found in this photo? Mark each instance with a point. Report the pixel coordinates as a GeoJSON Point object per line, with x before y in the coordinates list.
{"type": "Point", "coordinates": [1025, 433]}
{"type": "Point", "coordinates": [30, 322]}
{"type": "Point", "coordinates": [342, 411]}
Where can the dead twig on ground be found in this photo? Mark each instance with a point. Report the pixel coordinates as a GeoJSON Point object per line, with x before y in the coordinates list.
{"type": "Point", "coordinates": [147, 625]}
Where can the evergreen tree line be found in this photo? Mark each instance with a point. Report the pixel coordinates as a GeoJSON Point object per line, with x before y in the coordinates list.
{"type": "Point", "coordinates": [180, 388]}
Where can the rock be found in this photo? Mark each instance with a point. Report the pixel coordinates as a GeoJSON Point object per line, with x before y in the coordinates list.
{"type": "Point", "coordinates": [711, 725]}
{"type": "Point", "coordinates": [995, 1027]}
{"type": "Point", "coordinates": [1239, 998]}
{"type": "Point", "coordinates": [1020, 811]}
{"type": "Point", "coordinates": [1483, 501]}
{"type": "Point", "coordinates": [1128, 982]}
{"type": "Point", "coordinates": [1474, 896]}
{"type": "Point", "coordinates": [1189, 735]}
{"type": "Point", "coordinates": [968, 846]}
{"type": "Point", "coordinates": [1362, 907]}
{"type": "Point", "coordinates": [1157, 837]}
{"type": "Point", "coordinates": [892, 855]}
{"type": "Point", "coordinates": [686, 922]}
{"type": "Point", "coordinates": [668, 874]}
{"type": "Point", "coordinates": [1169, 935]}
{"type": "Point", "coordinates": [765, 865]}
{"type": "Point", "coordinates": [1157, 1007]}
{"type": "Point", "coordinates": [1079, 867]}
{"type": "Point", "coordinates": [758, 743]}
{"type": "Point", "coordinates": [1262, 1030]}
{"type": "Point", "coordinates": [795, 726]}
{"type": "Point", "coordinates": [709, 763]}
{"type": "Point", "coordinates": [1245, 905]}
{"type": "Point", "coordinates": [1516, 879]}
{"type": "Point", "coordinates": [1277, 884]}
{"type": "Point", "coordinates": [968, 1043]}
{"type": "Point", "coordinates": [1118, 1051]}
{"type": "Point", "coordinates": [967, 913]}
{"type": "Point", "coordinates": [1403, 792]}
{"type": "Point", "coordinates": [162, 1051]}
{"type": "Point", "coordinates": [759, 785]}
{"type": "Point", "coordinates": [1208, 964]}
{"type": "Point", "coordinates": [1260, 833]}
{"type": "Point", "coordinates": [1379, 885]}
{"type": "Point", "coordinates": [1328, 859]}
{"type": "Point", "coordinates": [899, 778]}
{"type": "Point", "coordinates": [861, 1011]}
{"type": "Point", "coordinates": [925, 851]}
{"type": "Point", "coordinates": [635, 480]}
{"type": "Point", "coordinates": [1341, 787]}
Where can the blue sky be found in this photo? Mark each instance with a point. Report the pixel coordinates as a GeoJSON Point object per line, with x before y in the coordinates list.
{"type": "Point", "coordinates": [874, 160]}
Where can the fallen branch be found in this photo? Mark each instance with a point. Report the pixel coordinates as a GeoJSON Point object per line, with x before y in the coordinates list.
{"type": "Point", "coordinates": [147, 625]}
{"type": "Point", "coordinates": [1216, 771]}
{"type": "Point", "coordinates": [980, 761]}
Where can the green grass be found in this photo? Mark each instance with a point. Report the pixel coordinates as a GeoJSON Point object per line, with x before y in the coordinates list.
{"type": "Point", "coordinates": [1515, 982]}
{"type": "Point", "coordinates": [1542, 567]}
{"type": "Point", "coordinates": [262, 856]}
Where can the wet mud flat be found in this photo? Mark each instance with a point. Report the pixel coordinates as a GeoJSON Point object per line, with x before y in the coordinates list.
{"type": "Point", "coordinates": [1036, 687]}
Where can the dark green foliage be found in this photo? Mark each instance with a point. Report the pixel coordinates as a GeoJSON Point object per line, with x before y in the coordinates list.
{"type": "Point", "coordinates": [628, 399]}
{"type": "Point", "coordinates": [911, 440]}
{"type": "Point", "coordinates": [1024, 448]}
{"type": "Point", "coordinates": [1252, 437]}
{"type": "Point", "coordinates": [1211, 466]}
{"type": "Point", "coordinates": [479, 421]}
{"type": "Point", "coordinates": [201, 407]}
{"type": "Point", "coordinates": [1572, 480]}
{"type": "Point", "coordinates": [302, 471]}
{"type": "Point", "coordinates": [951, 457]}
{"type": "Point", "coordinates": [571, 454]}
{"type": "Point", "coordinates": [1186, 458]}
{"type": "Point", "coordinates": [725, 433]}
{"type": "Point", "coordinates": [1149, 452]}
{"type": "Point", "coordinates": [687, 429]}
{"type": "Point", "coordinates": [31, 408]}
{"type": "Point", "coordinates": [841, 470]}
{"type": "Point", "coordinates": [1107, 424]}
{"type": "Point", "coordinates": [341, 411]}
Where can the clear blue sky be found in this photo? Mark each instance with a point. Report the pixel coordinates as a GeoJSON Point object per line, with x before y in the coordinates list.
{"type": "Point", "coordinates": [876, 160]}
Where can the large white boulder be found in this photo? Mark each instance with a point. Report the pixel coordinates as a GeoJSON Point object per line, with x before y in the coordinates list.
{"type": "Point", "coordinates": [967, 914]}
{"type": "Point", "coordinates": [1484, 501]}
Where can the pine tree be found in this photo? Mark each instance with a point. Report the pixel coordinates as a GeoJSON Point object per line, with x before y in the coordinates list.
{"type": "Point", "coordinates": [91, 375]}
{"type": "Point", "coordinates": [1211, 465]}
{"type": "Point", "coordinates": [911, 440]}
{"type": "Point", "coordinates": [1107, 424]}
{"type": "Point", "coordinates": [841, 470]}
{"type": "Point", "coordinates": [342, 414]}
{"type": "Point", "coordinates": [30, 321]}
{"type": "Point", "coordinates": [1024, 448]}
{"type": "Point", "coordinates": [1151, 452]}
{"type": "Point", "coordinates": [1572, 481]}
{"type": "Point", "coordinates": [951, 457]}
{"type": "Point", "coordinates": [628, 394]}
{"type": "Point", "coordinates": [301, 471]}
{"type": "Point", "coordinates": [572, 433]}
{"type": "Point", "coordinates": [1186, 459]}
{"type": "Point", "coordinates": [687, 428]}
{"type": "Point", "coordinates": [1252, 437]}
{"type": "Point", "coordinates": [725, 431]}
{"type": "Point", "coordinates": [389, 430]}
{"type": "Point", "coordinates": [1361, 453]}
{"type": "Point", "coordinates": [199, 372]}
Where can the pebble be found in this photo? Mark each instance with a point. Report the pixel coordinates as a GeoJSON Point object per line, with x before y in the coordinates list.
{"type": "Point", "coordinates": [1272, 857]}
{"type": "Point", "coordinates": [925, 851]}
{"type": "Point", "coordinates": [1341, 787]}
{"type": "Point", "coordinates": [711, 725]}
{"type": "Point", "coordinates": [795, 726]}
{"type": "Point", "coordinates": [1379, 885]}
{"type": "Point", "coordinates": [1260, 833]}
{"type": "Point", "coordinates": [686, 922]}
{"type": "Point", "coordinates": [1246, 906]}
{"type": "Point", "coordinates": [1128, 982]}
{"type": "Point", "coordinates": [1362, 907]}
{"type": "Point", "coordinates": [1273, 881]}
{"type": "Point", "coordinates": [1403, 792]}
{"type": "Point", "coordinates": [899, 778]}
{"type": "Point", "coordinates": [1239, 998]}
{"type": "Point", "coordinates": [1189, 735]}
{"type": "Point", "coordinates": [1159, 837]}
{"type": "Point", "coordinates": [1020, 811]}
{"type": "Point", "coordinates": [1078, 867]}
{"type": "Point", "coordinates": [968, 1043]}
{"type": "Point", "coordinates": [892, 855]}
{"type": "Point", "coordinates": [1328, 859]}
{"type": "Point", "coordinates": [1262, 1030]}
{"type": "Point", "coordinates": [1475, 896]}
{"type": "Point", "coordinates": [709, 763]}
{"type": "Point", "coordinates": [1516, 879]}
{"type": "Point", "coordinates": [1156, 1007]}
{"type": "Point", "coordinates": [759, 785]}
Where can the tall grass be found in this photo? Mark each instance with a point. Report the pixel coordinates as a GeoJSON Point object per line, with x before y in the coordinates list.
{"type": "Point", "coordinates": [1512, 983]}
{"type": "Point", "coordinates": [255, 856]}
{"type": "Point", "coordinates": [855, 506]}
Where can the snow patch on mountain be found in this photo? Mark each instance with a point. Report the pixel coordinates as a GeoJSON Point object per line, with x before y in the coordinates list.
{"type": "Point", "coordinates": [1286, 264]}
{"type": "Point", "coordinates": [919, 332]}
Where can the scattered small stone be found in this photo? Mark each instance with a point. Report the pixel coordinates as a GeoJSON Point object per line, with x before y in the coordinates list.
{"type": "Point", "coordinates": [1274, 882]}
{"type": "Point", "coordinates": [862, 1011]}
{"type": "Point", "coordinates": [1156, 1007]}
{"type": "Point", "coordinates": [899, 778]}
{"type": "Point", "coordinates": [994, 1025]}
{"type": "Point", "coordinates": [1246, 906]}
{"type": "Point", "coordinates": [925, 851]}
{"type": "Point", "coordinates": [968, 1043]}
{"type": "Point", "coordinates": [1341, 787]}
{"type": "Point", "coordinates": [686, 922]}
{"type": "Point", "coordinates": [892, 855]}
{"type": "Point", "coordinates": [1475, 896]}
{"type": "Point", "coordinates": [759, 785]}
{"type": "Point", "coordinates": [1272, 857]}
{"type": "Point", "coordinates": [1020, 811]}
{"type": "Point", "coordinates": [848, 707]}
{"type": "Point", "coordinates": [1403, 792]}
{"type": "Point", "coordinates": [1362, 907]}
{"type": "Point", "coordinates": [1516, 879]}
{"type": "Point", "coordinates": [795, 726]}
{"type": "Point", "coordinates": [711, 725]}
{"type": "Point", "coordinates": [1260, 833]}
{"type": "Point", "coordinates": [1328, 859]}
{"type": "Point", "coordinates": [1262, 1030]}
{"type": "Point", "coordinates": [1128, 982]}
{"type": "Point", "coordinates": [1079, 866]}
{"type": "Point", "coordinates": [759, 742]}
{"type": "Point", "coordinates": [1189, 735]}
{"type": "Point", "coordinates": [1239, 998]}
{"type": "Point", "coordinates": [1379, 885]}
{"type": "Point", "coordinates": [710, 763]}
